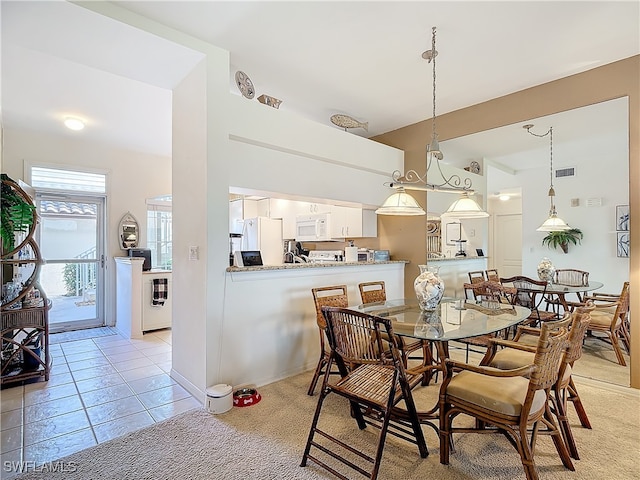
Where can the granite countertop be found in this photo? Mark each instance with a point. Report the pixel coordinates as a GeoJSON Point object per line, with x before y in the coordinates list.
{"type": "Point", "coordinates": [449, 259]}
{"type": "Point", "coordinates": [297, 266]}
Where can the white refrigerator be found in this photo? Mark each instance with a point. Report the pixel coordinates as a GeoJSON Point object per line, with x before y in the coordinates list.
{"type": "Point", "coordinates": [264, 234]}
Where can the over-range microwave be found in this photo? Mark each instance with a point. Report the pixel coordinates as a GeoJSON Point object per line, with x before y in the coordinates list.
{"type": "Point", "coordinates": [313, 228]}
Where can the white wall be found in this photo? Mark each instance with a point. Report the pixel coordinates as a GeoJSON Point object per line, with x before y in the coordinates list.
{"type": "Point", "coordinates": [600, 174]}
{"type": "Point", "coordinates": [132, 178]}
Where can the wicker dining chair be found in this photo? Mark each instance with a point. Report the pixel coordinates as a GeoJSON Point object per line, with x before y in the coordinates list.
{"type": "Point", "coordinates": [531, 294]}
{"type": "Point", "coordinates": [507, 401]}
{"type": "Point", "coordinates": [611, 318]}
{"type": "Point", "coordinates": [488, 292]}
{"type": "Point", "coordinates": [333, 296]}
{"type": "Point", "coordinates": [492, 275]}
{"type": "Point", "coordinates": [521, 351]}
{"type": "Point", "coordinates": [373, 292]}
{"type": "Point", "coordinates": [570, 277]}
{"type": "Point", "coordinates": [379, 384]}
{"type": "Point", "coordinates": [475, 278]}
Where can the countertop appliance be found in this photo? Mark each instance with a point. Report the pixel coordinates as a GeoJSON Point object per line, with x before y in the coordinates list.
{"type": "Point", "coordinates": [235, 244]}
{"type": "Point", "coordinates": [313, 228]}
{"type": "Point", "coordinates": [318, 256]}
{"type": "Point", "coordinates": [264, 234]}
{"type": "Point", "coordinates": [144, 253]}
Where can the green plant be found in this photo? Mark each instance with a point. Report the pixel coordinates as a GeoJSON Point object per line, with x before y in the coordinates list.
{"type": "Point", "coordinates": [16, 211]}
{"type": "Point", "coordinates": [70, 279]}
{"type": "Point", "coordinates": [563, 238]}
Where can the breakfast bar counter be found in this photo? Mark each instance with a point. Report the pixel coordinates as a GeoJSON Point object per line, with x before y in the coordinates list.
{"type": "Point", "coordinates": [289, 266]}
{"type": "Point", "coordinates": [269, 329]}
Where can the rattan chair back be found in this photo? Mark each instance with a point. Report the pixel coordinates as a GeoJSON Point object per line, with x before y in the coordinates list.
{"type": "Point", "coordinates": [491, 291]}
{"type": "Point", "coordinates": [571, 277]}
{"type": "Point", "coordinates": [372, 292]}
{"type": "Point", "coordinates": [492, 275]}
{"type": "Point", "coordinates": [334, 296]}
{"type": "Point", "coordinates": [551, 347]}
{"type": "Point", "coordinates": [581, 318]}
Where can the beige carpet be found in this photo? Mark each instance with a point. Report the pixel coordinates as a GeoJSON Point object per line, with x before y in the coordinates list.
{"type": "Point", "coordinates": [265, 441]}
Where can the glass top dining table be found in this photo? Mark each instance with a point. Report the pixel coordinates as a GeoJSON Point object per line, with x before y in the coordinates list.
{"type": "Point", "coordinates": [454, 319]}
{"type": "Point", "coordinates": [561, 290]}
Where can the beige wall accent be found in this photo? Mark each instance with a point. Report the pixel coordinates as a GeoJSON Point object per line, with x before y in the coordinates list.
{"type": "Point", "coordinates": [405, 235]}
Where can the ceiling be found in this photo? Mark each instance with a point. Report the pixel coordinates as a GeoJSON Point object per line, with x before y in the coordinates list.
{"type": "Point", "coordinates": [357, 58]}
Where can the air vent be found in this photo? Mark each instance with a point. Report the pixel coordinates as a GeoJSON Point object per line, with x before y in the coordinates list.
{"type": "Point", "coordinates": [565, 172]}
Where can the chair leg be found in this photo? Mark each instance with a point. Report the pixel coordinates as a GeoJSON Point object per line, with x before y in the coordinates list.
{"type": "Point", "coordinates": [526, 454]}
{"type": "Point", "coordinates": [322, 362]}
{"type": "Point", "coordinates": [577, 404]}
{"type": "Point", "coordinates": [558, 441]}
{"type": "Point", "coordinates": [616, 348]}
{"type": "Point", "coordinates": [445, 432]}
{"type": "Point", "coordinates": [560, 405]}
{"type": "Point", "coordinates": [312, 430]}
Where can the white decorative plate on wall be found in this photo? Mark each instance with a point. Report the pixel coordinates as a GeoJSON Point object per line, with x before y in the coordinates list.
{"type": "Point", "coordinates": [245, 85]}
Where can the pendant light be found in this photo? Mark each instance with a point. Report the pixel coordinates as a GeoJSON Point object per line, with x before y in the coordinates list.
{"type": "Point", "coordinates": [400, 203]}
{"type": "Point", "coordinates": [466, 207]}
{"type": "Point", "coordinates": [437, 180]}
{"type": "Point", "coordinates": [553, 223]}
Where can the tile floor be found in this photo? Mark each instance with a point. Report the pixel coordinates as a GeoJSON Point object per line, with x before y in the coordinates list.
{"type": "Point", "coordinates": [101, 386]}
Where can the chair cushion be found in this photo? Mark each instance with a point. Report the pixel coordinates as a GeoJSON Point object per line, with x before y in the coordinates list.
{"type": "Point", "coordinates": [601, 318]}
{"type": "Point", "coordinates": [504, 395]}
{"type": "Point", "coordinates": [510, 358]}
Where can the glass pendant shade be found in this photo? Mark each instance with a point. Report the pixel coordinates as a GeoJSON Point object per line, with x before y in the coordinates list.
{"type": "Point", "coordinates": [553, 223]}
{"type": "Point", "coordinates": [466, 207]}
{"type": "Point", "coordinates": [400, 203]}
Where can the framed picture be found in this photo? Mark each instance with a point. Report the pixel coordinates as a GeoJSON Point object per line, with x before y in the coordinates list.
{"type": "Point", "coordinates": [453, 232]}
{"type": "Point", "coordinates": [622, 247]}
{"type": "Point", "coordinates": [622, 218]}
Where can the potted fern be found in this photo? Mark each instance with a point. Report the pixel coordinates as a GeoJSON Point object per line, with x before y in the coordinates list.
{"type": "Point", "coordinates": [17, 212]}
{"type": "Point", "coordinates": [563, 238]}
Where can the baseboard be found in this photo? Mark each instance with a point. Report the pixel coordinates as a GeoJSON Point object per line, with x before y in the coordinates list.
{"type": "Point", "coordinates": [188, 386]}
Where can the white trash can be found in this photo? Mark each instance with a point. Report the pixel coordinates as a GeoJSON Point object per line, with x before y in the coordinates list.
{"type": "Point", "coordinates": [219, 398]}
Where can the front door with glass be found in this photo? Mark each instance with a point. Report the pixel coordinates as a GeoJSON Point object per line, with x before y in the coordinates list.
{"type": "Point", "coordinates": [71, 238]}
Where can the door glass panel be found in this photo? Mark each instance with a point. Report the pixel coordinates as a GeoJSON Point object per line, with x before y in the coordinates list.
{"type": "Point", "coordinates": [70, 238]}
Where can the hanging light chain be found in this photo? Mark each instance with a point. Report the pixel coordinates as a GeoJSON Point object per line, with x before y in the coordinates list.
{"type": "Point", "coordinates": [434, 53]}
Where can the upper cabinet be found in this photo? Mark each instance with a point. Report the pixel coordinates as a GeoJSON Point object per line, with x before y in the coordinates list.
{"type": "Point", "coordinates": [350, 222]}
{"type": "Point", "coordinates": [346, 222]}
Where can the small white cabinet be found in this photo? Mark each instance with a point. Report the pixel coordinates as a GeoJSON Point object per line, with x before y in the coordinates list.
{"type": "Point", "coordinates": [135, 313]}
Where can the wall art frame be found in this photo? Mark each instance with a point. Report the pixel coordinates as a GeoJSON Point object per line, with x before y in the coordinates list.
{"type": "Point", "coordinates": [622, 218]}
{"type": "Point", "coordinates": [622, 245]}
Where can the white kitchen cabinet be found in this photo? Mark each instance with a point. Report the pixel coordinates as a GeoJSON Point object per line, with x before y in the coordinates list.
{"type": "Point", "coordinates": [350, 222]}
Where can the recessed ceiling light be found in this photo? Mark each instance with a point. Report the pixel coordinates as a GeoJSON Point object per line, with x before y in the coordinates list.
{"type": "Point", "coordinates": [504, 198]}
{"type": "Point", "coordinates": [73, 123]}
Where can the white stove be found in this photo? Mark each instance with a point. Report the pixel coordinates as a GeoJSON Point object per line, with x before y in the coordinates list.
{"type": "Point", "coordinates": [326, 256]}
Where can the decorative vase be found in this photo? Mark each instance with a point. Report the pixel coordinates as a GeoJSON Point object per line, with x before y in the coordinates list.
{"type": "Point", "coordinates": [546, 270]}
{"type": "Point", "coordinates": [429, 287]}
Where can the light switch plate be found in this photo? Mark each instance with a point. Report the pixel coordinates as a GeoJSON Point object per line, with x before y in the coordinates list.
{"type": "Point", "coordinates": [193, 253]}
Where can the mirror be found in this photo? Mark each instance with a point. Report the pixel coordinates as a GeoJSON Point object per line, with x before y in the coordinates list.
{"type": "Point", "coordinates": [593, 141]}
{"type": "Point", "coordinates": [129, 232]}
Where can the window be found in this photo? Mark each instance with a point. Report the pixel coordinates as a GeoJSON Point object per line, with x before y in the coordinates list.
{"type": "Point", "coordinates": [43, 178]}
{"type": "Point", "coordinates": [159, 232]}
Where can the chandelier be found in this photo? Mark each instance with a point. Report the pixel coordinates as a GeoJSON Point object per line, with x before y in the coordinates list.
{"type": "Point", "coordinates": [434, 179]}
{"type": "Point", "coordinates": [553, 223]}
